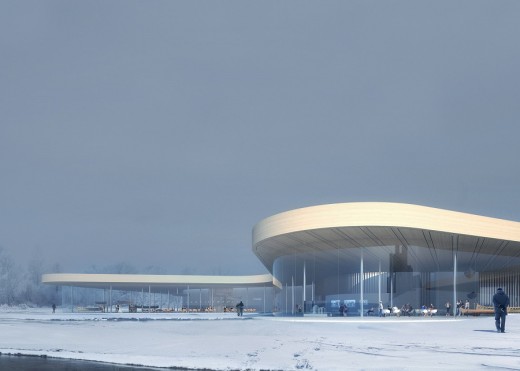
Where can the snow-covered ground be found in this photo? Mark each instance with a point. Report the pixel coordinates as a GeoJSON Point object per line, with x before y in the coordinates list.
{"type": "Point", "coordinates": [226, 342]}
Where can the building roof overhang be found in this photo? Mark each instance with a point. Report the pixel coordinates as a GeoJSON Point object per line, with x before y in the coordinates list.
{"type": "Point", "coordinates": [373, 224]}
{"type": "Point", "coordinates": [141, 281]}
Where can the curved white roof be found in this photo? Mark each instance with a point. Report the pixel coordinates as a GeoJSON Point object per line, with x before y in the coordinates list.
{"type": "Point", "coordinates": [368, 224]}
{"type": "Point", "coordinates": [133, 281]}
{"type": "Point", "coordinates": [327, 227]}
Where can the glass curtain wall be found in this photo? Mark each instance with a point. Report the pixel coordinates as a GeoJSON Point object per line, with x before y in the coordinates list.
{"type": "Point", "coordinates": [320, 282]}
{"type": "Point", "coordinates": [79, 299]}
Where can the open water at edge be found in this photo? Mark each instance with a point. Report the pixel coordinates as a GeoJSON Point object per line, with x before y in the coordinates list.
{"type": "Point", "coordinates": [25, 363]}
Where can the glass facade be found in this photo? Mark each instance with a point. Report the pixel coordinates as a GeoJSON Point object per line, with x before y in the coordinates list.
{"type": "Point", "coordinates": [326, 258]}
{"type": "Point", "coordinates": [320, 280]}
{"type": "Point", "coordinates": [160, 299]}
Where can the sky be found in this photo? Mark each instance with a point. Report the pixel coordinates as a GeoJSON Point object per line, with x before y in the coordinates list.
{"type": "Point", "coordinates": [156, 134]}
{"type": "Point", "coordinates": [209, 341]}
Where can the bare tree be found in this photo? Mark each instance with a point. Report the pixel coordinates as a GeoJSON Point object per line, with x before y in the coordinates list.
{"type": "Point", "coordinates": [8, 278]}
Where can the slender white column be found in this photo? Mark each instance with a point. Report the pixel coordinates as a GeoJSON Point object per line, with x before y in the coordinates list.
{"type": "Point", "coordinates": [455, 282]}
{"type": "Point", "coordinates": [392, 289]}
{"type": "Point", "coordinates": [292, 295]}
{"type": "Point", "coordinates": [304, 286]}
{"type": "Point", "coordinates": [264, 299]}
{"type": "Point", "coordinates": [286, 298]}
{"type": "Point", "coordinates": [362, 306]}
{"type": "Point", "coordinates": [379, 284]}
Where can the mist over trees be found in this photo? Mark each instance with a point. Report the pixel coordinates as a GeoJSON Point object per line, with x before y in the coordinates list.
{"type": "Point", "coordinates": [8, 278]}
{"type": "Point", "coordinates": [20, 283]}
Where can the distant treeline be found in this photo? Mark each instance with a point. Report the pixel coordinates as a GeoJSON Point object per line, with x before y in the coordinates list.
{"type": "Point", "coordinates": [20, 283]}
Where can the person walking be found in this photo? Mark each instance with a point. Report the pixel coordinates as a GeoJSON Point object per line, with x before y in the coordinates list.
{"type": "Point", "coordinates": [380, 309]}
{"type": "Point", "coordinates": [240, 309]}
{"type": "Point", "coordinates": [500, 304]}
{"type": "Point", "coordinates": [448, 307]}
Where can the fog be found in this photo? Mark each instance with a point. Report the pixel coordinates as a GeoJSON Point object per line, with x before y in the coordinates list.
{"type": "Point", "coordinates": [153, 135]}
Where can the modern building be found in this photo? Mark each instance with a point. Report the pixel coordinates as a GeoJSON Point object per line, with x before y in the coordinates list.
{"type": "Point", "coordinates": [359, 254]}
{"type": "Point", "coordinates": [186, 293]}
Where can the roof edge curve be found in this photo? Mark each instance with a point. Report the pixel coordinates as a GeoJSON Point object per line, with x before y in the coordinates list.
{"type": "Point", "coordinates": [384, 214]}
{"type": "Point", "coordinates": [93, 280]}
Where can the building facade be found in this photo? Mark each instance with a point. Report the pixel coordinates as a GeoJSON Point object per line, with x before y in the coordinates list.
{"type": "Point", "coordinates": [355, 255]}
{"type": "Point", "coordinates": [358, 254]}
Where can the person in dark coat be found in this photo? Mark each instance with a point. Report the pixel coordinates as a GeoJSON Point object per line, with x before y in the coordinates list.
{"type": "Point", "coordinates": [240, 309]}
{"type": "Point", "coordinates": [500, 303]}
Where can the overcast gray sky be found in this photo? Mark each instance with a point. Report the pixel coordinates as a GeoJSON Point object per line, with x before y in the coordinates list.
{"type": "Point", "coordinates": [159, 132]}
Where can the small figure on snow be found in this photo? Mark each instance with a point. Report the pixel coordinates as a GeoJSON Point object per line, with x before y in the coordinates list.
{"type": "Point", "coordinates": [240, 309]}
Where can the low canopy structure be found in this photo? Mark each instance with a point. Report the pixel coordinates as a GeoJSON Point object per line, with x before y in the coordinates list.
{"type": "Point", "coordinates": [138, 281]}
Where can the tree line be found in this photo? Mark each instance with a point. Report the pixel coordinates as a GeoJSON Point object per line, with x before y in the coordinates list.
{"type": "Point", "coordinates": [21, 284]}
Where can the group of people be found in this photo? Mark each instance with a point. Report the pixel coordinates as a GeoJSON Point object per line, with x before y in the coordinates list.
{"type": "Point", "coordinates": [428, 310]}
{"type": "Point", "coordinates": [459, 306]}
{"type": "Point", "coordinates": [389, 310]}
{"type": "Point", "coordinates": [406, 310]}
{"type": "Point", "coordinates": [500, 306]}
